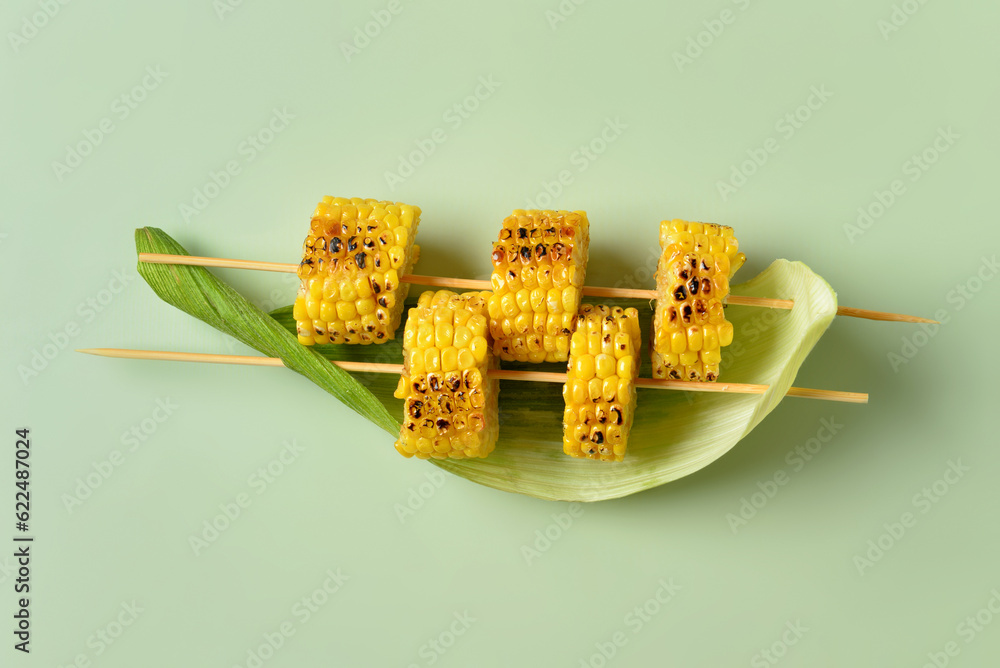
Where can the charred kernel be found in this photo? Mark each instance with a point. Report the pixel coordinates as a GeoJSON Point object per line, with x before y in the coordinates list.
{"type": "Point", "coordinates": [694, 285]}
{"type": "Point", "coordinates": [616, 415]}
{"type": "Point", "coordinates": [352, 244]}
{"type": "Point", "coordinates": [680, 293]}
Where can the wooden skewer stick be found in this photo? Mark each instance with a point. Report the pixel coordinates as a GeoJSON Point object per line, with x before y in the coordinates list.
{"type": "Point", "coordinates": [502, 374]}
{"type": "Point", "coordinates": [473, 284]}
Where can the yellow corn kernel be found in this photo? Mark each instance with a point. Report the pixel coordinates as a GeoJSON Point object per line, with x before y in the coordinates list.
{"type": "Point", "coordinates": [610, 389]}
{"type": "Point", "coordinates": [449, 358]}
{"type": "Point", "coordinates": [477, 325]}
{"type": "Point", "coordinates": [605, 365]}
{"type": "Point", "coordinates": [312, 308]}
{"type": "Point", "coordinates": [523, 323]}
{"type": "Point", "coordinates": [299, 309]}
{"type": "Point", "coordinates": [584, 367]}
{"type": "Point", "coordinates": [348, 291]}
{"type": "Point", "coordinates": [725, 333]}
{"type": "Point", "coordinates": [432, 359]}
{"type": "Point", "coordinates": [694, 337]}
{"type": "Point", "coordinates": [365, 306]}
{"type": "Point", "coordinates": [479, 348]}
{"type": "Point", "coordinates": [346, 311]}
{"type": "Point", "coordinates": [443, 335]}
{"type": "Point", "coordinates": [466, 360]}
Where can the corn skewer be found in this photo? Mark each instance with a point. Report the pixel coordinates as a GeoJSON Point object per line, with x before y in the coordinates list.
{"type": "Point", "coordinates": [473, 284]}
{"type": "Point", "coordinates": [500, 374]}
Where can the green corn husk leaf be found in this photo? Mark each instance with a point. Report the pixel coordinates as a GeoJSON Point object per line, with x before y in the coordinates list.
{"type": "Point", "coordinates": [197, 292]}
{"type": "Point", "coordinates": [674, 433]}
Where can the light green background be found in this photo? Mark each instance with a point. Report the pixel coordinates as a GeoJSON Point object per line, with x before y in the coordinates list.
{"type": "Point", "coordinates": [335, 506]}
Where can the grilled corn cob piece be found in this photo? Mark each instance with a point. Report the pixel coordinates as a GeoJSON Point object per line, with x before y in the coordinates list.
{"type": "Point", "coordinates": [352, 259]}
{"type": "Point", "coordinates": [692, 280]}
{"type": "Point", "coordinates": [450, 405]}
{"type": "Point", "coordinates": [539, 264]}
{"type": "Point", "coordinates": [600, 382]}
